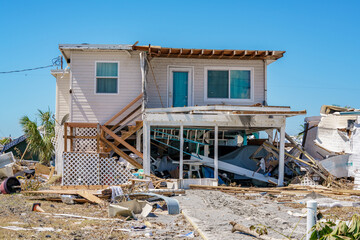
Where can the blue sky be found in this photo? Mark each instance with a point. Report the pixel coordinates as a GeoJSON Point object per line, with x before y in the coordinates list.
{"type": "Point", "coordinates": [321, 40]}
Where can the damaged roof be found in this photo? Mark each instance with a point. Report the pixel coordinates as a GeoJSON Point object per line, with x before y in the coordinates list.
{"type": "Point", "coordinates": [158, 51]}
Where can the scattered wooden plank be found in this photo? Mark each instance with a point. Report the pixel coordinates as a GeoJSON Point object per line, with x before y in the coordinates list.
{"type": "Point", "coordinates": [92, 198]}
{"type": "Point", "coordinates": [65, 192]}
{"type": "Point", "coordinates": [51, 172]}
{"type": "Point", "coordinates": [85, 187]}
{"type": "Point", "coordinates": [281, 190]}
{"type": "Point", "coordinates": [41, 169]}
{"type": "Point", "coordinates": [77, 200]}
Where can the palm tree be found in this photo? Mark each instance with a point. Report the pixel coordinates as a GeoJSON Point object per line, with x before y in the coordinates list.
{"type": "Point", "coordinates": [39, 137]}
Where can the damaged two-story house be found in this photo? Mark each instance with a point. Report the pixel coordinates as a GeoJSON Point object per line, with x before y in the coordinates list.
{"type": "Point", "coordinates": [170, 111]}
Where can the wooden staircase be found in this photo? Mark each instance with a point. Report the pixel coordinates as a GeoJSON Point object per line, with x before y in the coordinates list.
{"type": "Point", "coordinates": [110, 140]}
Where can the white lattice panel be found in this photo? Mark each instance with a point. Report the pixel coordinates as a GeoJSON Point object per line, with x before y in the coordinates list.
{"type": "Point", "coordinates": [112, 172]}
{"type": "Point", "coordinates": [81, 168]}
{"type": "Point", "coordinates": [90, 169]}
{"type": "Point", "coordinates": [85, 144]}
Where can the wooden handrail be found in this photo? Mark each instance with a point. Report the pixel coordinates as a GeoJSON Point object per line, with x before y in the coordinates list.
{"type": "Point", "coordinates": [122, 141]}
{"type": "Point", "coordinates": [125, 108]}
{"type": "Point", "coordinates": [125, 118]}
{"type": "Point", "coordinates": [121, 153]}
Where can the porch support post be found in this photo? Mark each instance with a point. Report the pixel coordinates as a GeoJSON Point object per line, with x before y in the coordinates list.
{"type": "Point", "coordinates": [281, 156]}
{"type": "Point", "coordinates": [181, 167]}
{"type": "Point", "coordinates": [138, 139]}
{"type": "Point", "coordinates": [146, 147]}
{"type": "Point", "coordinates": [206, 147]}
{"type": "Point", "coordinates": [216, 152]}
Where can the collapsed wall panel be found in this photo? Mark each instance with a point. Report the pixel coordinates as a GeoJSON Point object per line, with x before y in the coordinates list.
{"type": "Point", "coordinates": [332, 133]}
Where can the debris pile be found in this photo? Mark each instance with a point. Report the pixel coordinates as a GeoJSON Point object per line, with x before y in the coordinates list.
{"type": "Point", "coordinates": [333, 138]}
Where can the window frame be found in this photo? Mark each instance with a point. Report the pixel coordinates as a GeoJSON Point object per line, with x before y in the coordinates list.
{"type": "Point", "coordinates": [229, 99]}
{"type": "Point", "coordinates": [117, 78]}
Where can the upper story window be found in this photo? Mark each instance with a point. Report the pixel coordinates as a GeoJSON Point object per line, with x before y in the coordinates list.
{"type": "Point", "coordinates": [229, 84]}
{"type": "Point", "coordinates": [107, 77]}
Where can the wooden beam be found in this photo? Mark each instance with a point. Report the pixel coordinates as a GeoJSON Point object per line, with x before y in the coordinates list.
{"type": "Point", "coordinates": [243, 54]}
{"type": "Point", "coordinates": [98, 132]}
{"type": "Point", "coordinates": [233, 54]}
{"type": "Point", "coordinates": [65, 136]}
{"type": "Point", "coordinates": [222, 54]}
{"type": "Point", "coordinates": [270, 112]}
{"type": "Point", "coordinates": [253, 55]}
{"type": "Point", "coordinates": [122, 141]}
{"type": "Point", "coordinates": [191, 53]}
{"type": "Point", "coordinates": [82, 125]}
{"type": "Point", "coordinates": [122, 154]}
{"type": "Point", "coordinates": [92, 198]}
{"type": "Point", "coordinates": [124, 109]}
{"type": "Point", "coordinates": [211, 53]}
{"type": "Point", "coordinates": [123, 120]}
{"type": "Point", "coordinates": [168, 55]}
{"type": "Point", "coordinates": [71, 139]}
{"type": "Point", "coordinates": [85, 187]}
{"type": "Point", "coordinates": [180, 52]}
{"type": "Point", "coordinates": [201, 53]}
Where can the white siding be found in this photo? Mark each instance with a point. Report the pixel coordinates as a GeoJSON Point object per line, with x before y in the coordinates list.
{"type": "Point", "coordinates": [86, 106]}
{"type": "Point", "coordinates": [90, 107]}
{"type": "Point", "coordinates": [160, 67]}
{"type": "Point", "coordinates": [62, 96]}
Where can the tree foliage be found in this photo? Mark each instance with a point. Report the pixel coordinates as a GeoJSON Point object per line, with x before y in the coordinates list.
{"type": "Point", "coordinates": [39, 137]}
{"type": "Point", "coordinates": [330, 231]}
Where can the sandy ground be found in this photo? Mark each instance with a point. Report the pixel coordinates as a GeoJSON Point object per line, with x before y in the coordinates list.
{"type": "Point", "coordinates": [213, 210]}
{"type": "Point", "coordinates": [15, 210]}
{"type": "Point", "coordinates": [283, 216]}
